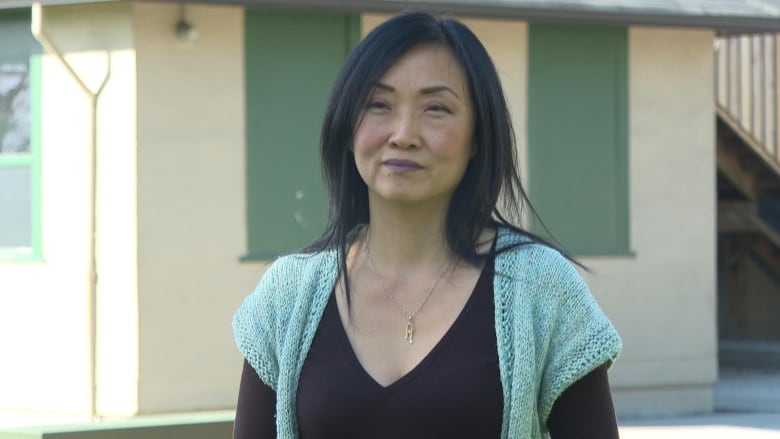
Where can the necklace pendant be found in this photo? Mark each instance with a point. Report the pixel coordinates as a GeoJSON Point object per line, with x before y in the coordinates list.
{"type": "Point", "coordinates": [409, 332]}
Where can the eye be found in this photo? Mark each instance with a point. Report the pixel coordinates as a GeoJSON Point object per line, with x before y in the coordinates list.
{"type": "Point", "coordinates": [439, 108]}
{"type": "Point", "coordinates": [377, 105]}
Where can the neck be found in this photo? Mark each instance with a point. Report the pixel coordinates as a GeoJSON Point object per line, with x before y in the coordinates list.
{"type": "Point", "coordinates": [409, 238]}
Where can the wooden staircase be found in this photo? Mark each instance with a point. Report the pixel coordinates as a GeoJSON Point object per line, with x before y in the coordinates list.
{"type": "Point", "coordinates": [748, 160]}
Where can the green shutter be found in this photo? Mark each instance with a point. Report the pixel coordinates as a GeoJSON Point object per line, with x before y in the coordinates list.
{"type": "Point", "coordinates": [292, 59]}
{"type": "Point", "coordinates": [578, 135]}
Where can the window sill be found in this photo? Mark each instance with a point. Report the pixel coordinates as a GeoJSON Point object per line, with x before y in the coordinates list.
{"type": "Point", "coordinates": [20, 255]}
{"type": "Point", "coordinates": [258, 258]}
{"type": "Point", "coordinates": [627, 254]}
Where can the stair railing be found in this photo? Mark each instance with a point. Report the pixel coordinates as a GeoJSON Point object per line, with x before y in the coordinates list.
{"type": "Point", "coordinates": [746, 87]}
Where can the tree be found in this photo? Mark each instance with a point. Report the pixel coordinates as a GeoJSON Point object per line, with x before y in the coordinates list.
{"type": "Point", "coordinates": [14, 107]}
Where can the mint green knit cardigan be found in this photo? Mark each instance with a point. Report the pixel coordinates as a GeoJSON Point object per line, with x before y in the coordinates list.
{"type": "Point", "coordinates": [549, 329]}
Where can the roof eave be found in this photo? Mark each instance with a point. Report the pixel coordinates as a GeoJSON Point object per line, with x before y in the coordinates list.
{"type": "Point", "coordinates": [498, 9]}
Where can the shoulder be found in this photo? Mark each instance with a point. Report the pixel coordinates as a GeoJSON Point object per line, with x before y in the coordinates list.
{"type": "Point", "coordinates": [289, 282]}
{"type": "Point", "coordinates": [291, 276]}
{"type": "Point", "coordinates": [293, 267]}
{"type": "Point", "coordinates": [522, 258]}
{"type": "Point", "coordinates": [540, 285]}
{"type": "Point", "coordinates": [289, 287]}
{"type": "Point", "coordinates": [537, 277]}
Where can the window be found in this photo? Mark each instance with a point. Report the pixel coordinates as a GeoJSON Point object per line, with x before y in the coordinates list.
{"type": "Point", "coordinates": [292, 59]}
{"type": "Point", "coordinates": [19, 138]}
{"type": "Point", "coordinates": [578, 135]}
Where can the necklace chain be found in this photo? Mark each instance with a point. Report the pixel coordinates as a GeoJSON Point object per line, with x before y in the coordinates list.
{"type": "Point", "coordinates": [409, 333]}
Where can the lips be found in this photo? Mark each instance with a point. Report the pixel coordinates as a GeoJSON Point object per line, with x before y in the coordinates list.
{"type": "Point", "coordinates": [400, 165]}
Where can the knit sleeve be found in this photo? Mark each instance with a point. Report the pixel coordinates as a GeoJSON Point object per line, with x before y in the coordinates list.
{"type": "Point", "coordinates": [253, 328]}
{"type": "Point", "coordinates": [580, 337]}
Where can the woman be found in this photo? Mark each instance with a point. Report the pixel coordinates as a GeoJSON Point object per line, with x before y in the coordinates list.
{"type": "Point", "coordinates": [423, 311]}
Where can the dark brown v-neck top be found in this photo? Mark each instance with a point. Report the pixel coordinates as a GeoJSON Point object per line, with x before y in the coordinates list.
{"type": "Point", "coordinates": [455, 391]}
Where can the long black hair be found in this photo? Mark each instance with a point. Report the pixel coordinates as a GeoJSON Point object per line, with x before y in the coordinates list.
{"type": "Point", "coordinates": [490, 192]}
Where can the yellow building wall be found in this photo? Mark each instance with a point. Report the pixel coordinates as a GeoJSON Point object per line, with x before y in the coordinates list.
{"type": "Point", "coordinates": [191, 204]}
{"type": "Point", "coordinates": [662, 299]}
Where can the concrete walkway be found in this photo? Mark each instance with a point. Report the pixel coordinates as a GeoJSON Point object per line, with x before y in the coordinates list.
{"type": "Point", "coordinates": [747, 406]}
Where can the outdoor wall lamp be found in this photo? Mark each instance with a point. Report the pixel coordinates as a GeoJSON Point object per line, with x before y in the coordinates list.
{"type": "Point", "coordinates": [185, 31]}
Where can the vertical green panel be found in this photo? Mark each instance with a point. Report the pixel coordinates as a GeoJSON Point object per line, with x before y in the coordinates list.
{"type": "Point", "coordinates": [578, 136]}
{"type": "Point", "coordinates": [35, 151]}
{"type": "Point", "coordinates": [352, 33]}
{"type": "Point", "coordinates": [292, 59]}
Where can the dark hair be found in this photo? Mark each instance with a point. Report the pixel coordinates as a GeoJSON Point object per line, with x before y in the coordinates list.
{"type": "Point", "coordinates": [491, 175]}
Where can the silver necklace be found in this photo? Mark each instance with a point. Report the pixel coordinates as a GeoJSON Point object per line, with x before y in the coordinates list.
{"type": "Point", "coordinates": [409, 333]}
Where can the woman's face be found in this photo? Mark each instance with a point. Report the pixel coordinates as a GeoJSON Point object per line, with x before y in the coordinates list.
{"type": "Point", "coordinates": [414, 141]}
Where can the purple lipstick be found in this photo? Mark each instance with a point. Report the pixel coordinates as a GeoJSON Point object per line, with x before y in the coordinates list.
{"type": "Point", "coordinates": [400, 165]}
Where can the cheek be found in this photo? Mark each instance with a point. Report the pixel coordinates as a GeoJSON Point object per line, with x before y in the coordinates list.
{"type": "Point", "coordinates": [366, 143]}
{"type": "Point", "coordinates": [454, 145]}
{"type": "Point", "coordinates": [367, 137]}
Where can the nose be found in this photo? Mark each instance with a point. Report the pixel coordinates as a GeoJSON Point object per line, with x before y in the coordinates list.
{"type": "Point", "coordinates": [405, 133]}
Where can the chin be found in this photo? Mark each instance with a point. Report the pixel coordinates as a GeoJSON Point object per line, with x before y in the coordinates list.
{"type": "Point", "coordinates": [407, 199]}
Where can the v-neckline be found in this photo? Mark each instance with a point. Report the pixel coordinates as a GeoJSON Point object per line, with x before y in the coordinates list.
{"type": "Point", "coordinates": [427, 359]}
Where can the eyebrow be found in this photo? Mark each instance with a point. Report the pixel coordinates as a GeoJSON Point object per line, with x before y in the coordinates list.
{"type": "Point", "coordinates": [424, 91]}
